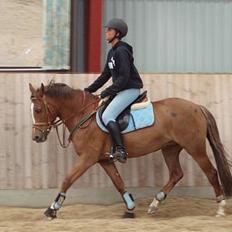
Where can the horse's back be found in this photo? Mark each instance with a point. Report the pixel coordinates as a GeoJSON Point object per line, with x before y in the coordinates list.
{"type": "Point", "coordinates": [175, 101]}
{"type": "Point", "coordinates": [180, 115]}
{"type": "Point", "coordinates": [177, 105]}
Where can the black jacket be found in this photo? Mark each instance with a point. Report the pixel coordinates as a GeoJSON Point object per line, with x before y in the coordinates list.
{"type": "Point", "coordinates": [119, 66]}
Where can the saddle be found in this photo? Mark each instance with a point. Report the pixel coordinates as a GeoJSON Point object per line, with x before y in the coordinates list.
{"type": "Point", "coordinates": [124, 117]}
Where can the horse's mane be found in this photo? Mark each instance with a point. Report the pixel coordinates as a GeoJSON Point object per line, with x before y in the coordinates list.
{"type": "Point", "coordinates": [61, 90]}
{"type": "Point", "coordinates": [58, 90]}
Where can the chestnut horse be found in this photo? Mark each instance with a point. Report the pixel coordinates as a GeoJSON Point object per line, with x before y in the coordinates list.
{"type": "Point", "coordinates": [180, 124]}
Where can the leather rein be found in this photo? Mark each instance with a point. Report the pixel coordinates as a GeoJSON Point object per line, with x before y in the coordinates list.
{"type": "Point", "coordinates": [49, 124]}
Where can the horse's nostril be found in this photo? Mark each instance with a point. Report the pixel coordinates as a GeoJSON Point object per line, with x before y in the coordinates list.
{"type": "Point", "coordinates": [39, 138]}
{"type": "Point", "coordinates": [36, 138]}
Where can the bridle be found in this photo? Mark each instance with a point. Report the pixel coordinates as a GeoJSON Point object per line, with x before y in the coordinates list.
{"type": "Point", "coordinates": [49, 124]}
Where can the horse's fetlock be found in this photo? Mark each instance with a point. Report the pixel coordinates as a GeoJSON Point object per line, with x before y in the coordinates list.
{"type": "Point", "coordinates": [161, 196]}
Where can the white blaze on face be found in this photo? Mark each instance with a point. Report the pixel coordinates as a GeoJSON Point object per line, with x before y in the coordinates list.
{"type": "Point", "coordinates": [32, 112]}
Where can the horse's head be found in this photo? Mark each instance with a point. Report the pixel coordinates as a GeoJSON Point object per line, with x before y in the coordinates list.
{"type": "Point", "coordinates": [43, 114]}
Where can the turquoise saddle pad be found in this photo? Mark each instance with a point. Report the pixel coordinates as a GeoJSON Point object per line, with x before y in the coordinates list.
{"type": "Point", "coordinates": [141, 118]}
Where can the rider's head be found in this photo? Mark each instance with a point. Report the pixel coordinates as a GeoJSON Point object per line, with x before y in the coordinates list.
{"type": "Point", "coordinates": [115, 29]}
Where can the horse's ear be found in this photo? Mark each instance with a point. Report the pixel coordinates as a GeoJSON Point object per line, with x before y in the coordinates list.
{"type": "Point", "coordinates": [41, 90]}
{"type": "Point", "coordinates": [32, 89]}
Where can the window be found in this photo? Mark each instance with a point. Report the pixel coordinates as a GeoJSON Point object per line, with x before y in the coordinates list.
{"type": "Point", "coordinates": [35, 34]}
{"type": "Point", "coordinates": [21, 33]}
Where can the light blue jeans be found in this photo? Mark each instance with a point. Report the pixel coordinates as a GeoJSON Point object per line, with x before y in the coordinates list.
{"type": "Point", "coordinates": [118, 104]}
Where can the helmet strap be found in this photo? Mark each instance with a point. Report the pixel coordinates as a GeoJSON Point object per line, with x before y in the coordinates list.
{"type": "Point", "coordinates": [110, 41]}
{"type": "Point", "coordinates": [115, 37]}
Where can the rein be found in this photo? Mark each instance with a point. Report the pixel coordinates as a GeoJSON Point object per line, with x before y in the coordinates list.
{"type": "Point", "coordinates": [49, 124]}
{"type": "Point", "coordinates": [80, 123]}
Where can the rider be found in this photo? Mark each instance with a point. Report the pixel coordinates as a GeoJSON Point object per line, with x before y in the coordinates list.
{"type": "Point", "coordinates": [126, 82]}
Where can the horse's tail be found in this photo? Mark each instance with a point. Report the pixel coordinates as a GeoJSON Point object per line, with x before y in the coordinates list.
{"type": "Point", "coordinates": [219, 153]}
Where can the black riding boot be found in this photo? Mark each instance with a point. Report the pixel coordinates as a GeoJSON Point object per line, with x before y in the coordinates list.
{"type": "Point", "coordinates": [119, 152]}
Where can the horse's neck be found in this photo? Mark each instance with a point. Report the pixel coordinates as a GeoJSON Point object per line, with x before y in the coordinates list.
{"type": "Point", "coordinates": [71, 110]}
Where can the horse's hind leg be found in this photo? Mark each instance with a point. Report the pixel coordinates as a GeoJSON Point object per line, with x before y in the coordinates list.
{"type": "Point", "coordinates": [171, 157]}
{"type": "Point", "coordinates": [114, 175]}
{"type": "Point", "coordinates": [201, 157]}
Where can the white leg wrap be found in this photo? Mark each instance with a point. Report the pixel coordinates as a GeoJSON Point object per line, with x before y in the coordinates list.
{"type": "Point", "coordinates": [153, 207]}
{"type": "Point", "coordinates": [128, 199]}
{"type": "Point", "coordinates": [221, 208]}
{"type": "Point", "coordinates": [58, 201]}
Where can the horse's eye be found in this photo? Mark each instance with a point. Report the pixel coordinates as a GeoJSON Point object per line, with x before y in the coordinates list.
{"type": "Point", "coordinates": [37, 110]}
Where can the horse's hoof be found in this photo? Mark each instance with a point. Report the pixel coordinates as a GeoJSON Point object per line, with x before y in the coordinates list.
{"type": "Point", "coordinates": [50, 213]}
{"type": "Point", "coordinates": [220, 215]}
{"type": "Point", "coordinates": [152, 210]}
{"type": "Point", "coordinates": [128, 214]}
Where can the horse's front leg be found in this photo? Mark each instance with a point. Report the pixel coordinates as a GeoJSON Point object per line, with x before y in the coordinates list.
{"type": "Point", "coordinates": [81, 166]}
{"type": "Point", "coordinates": [114, 175]}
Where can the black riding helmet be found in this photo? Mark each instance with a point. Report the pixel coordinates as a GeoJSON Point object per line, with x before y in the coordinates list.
{"type": "Point", "coordinates": [119, 25]}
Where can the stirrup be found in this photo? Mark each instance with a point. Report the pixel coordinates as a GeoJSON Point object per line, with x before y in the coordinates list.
{"type": "Point", "coordinates": [118, 155]}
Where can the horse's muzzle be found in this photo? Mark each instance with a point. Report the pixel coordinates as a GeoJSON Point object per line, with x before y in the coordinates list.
{"type": "Point", "coordinates": [39, 135]}
{"type": "Point", "coordinates": [39, 138]}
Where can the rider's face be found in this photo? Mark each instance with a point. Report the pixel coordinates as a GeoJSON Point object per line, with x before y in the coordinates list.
{"type": "Point", "coordinates": [110, 33]}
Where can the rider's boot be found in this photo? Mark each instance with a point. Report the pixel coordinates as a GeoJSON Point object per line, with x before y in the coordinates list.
{"type": "Point", "coordinates": [119, 152]}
